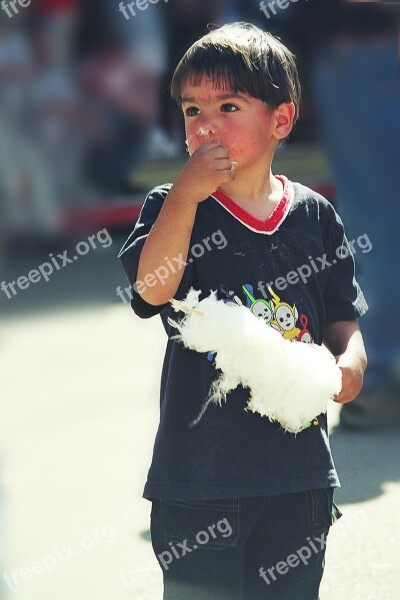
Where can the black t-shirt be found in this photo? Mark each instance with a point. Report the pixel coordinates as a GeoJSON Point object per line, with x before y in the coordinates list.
{"type": "Point", "coordinates": [296, 271]}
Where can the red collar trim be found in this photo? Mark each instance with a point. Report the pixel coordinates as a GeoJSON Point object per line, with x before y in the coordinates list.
{"type": "Point", "coordinates": [275, 219]}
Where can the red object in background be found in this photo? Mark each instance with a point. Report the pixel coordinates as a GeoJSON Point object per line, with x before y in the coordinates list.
{"type": "Point", "coordinates": [118, 215]}
{"type": "Point", "coordinates": [56, 6]}
{"type": "Point", "coordinates": [325, 189]}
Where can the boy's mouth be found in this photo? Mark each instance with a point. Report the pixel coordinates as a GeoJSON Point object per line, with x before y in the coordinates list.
{"type": "Point", "coordinates": [201, 136]}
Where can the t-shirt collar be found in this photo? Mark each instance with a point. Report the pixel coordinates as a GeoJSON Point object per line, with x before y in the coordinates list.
{"type": "Point", "coordinates": [275, 219]}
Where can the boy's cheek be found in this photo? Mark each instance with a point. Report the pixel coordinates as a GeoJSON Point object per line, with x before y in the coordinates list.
{"type": "Point", "coordinates": [191, 142]}
{"type": "Point", "coordinates": [192, 146]}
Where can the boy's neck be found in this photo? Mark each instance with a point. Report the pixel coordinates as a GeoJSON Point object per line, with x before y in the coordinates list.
{"type": "Point", "coordinates": [246, 189]}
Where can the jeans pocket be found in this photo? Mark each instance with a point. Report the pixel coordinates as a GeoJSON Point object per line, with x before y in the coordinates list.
{"type": "Point", "coordinates": [322, 511]}
{"type": "Point", "coordinates": [208, 524]}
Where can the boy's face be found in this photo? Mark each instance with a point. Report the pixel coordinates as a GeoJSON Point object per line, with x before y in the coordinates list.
{"type": "Point", "coordinates": [243, 124]}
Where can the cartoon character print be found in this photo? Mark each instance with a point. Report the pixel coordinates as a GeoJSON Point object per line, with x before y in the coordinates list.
{"type": "Point", "coordinates": [279, 315]}
{"type": "Point", "coordinates": [285, 318]}
{"type": "Point", "coordinates": [261, 308]}
{"type": "Point", "coordinates": [304, 335]}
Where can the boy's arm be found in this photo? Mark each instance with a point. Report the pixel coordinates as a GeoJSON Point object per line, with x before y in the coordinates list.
{"type": "Point", "coordinates": [344, 340]}
{"type": "Point", "coordinates": [169, 238]}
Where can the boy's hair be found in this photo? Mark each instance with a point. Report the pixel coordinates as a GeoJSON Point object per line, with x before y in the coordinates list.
{"type": "Point", "coordinates": [247, 59]}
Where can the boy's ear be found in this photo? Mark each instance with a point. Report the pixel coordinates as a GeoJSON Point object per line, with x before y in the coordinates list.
{"type": "Point", "coordinates": [284, 116]}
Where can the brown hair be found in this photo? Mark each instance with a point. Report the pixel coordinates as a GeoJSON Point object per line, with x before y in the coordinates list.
{"type": "Point", "coordinates": [247, 59]}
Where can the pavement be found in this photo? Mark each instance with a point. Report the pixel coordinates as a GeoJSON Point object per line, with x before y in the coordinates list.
{"type": "Point", "coordinates": [79, 406]}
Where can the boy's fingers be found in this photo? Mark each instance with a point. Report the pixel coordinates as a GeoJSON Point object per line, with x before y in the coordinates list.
{"type": "Point", "coordinates": [228, 174]}
{"type": "Point", "coordinates": [223, 164]}
{"type": "Point", "coordinates": [212, 142]}
{"type": "Point", "coordinates": [213, 145]}
{"type": "Point", "coordinates": [220, 153]}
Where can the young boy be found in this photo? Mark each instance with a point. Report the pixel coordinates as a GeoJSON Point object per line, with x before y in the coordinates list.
{"type": "Point", "coordinates": [241, 509]}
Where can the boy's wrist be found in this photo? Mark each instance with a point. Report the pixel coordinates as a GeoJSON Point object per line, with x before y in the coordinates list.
{"type": "Point", "coordinates": [352, 368]}
{"type": "Point", "coordinates": [181, 196]}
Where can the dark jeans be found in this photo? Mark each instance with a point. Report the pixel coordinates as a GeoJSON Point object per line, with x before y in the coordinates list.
{"type": "Point", "coordinates": [269, 547]}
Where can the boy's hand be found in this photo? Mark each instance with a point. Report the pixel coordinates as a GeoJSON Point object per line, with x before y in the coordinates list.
{"type": "Point", "coordinates": [352, 379]}
{"type": "Point", "coordinates": [207, 168]}
{"type": "Point", "coordinates": [344, 340]}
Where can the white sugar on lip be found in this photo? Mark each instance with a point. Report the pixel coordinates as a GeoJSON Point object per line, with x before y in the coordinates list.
{"type": "Point", "coordinates": [288, 382]}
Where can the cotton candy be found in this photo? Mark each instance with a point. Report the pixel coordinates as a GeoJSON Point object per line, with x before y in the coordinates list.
{"type": "Point", "coordinates": [288, 382]}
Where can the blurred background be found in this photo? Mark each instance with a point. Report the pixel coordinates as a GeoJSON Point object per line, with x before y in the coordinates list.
{"type": "Point", "coordinates": [87, 128]}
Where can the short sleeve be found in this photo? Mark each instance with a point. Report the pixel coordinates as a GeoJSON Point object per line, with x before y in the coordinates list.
{"type": "Point", "coordinates": [129, 254]}
{"type": "Point", "coordinates": [343, 298]}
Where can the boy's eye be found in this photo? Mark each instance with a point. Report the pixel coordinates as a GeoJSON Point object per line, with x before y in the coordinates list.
{"type": "Point", "coordinates": [191, 111]}
{"type": "Point", "coordinates": [228, 107]}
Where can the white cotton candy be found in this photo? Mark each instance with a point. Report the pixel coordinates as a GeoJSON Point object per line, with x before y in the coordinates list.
{"type": "Point", "coordinates": [289, 382]}
{"type": "Point", "coordinates": [202, 131]}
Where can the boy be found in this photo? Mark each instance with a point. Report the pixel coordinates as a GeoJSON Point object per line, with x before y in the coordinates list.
{"type": "Point", "coordinates": [240, 509]}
